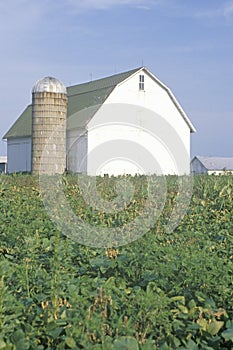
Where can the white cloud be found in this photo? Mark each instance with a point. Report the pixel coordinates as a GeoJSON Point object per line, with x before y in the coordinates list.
{"type": "Point", "coordinates": [105, 4]}
{"type": "Point", "coordinates": [143, 7]}
{"type": "Point", "coordinates": [228, 10]}
{"type": "Point", "coordinates": [225, 10]}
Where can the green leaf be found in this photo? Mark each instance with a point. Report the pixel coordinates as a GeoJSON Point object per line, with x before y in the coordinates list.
{"type": "Point", "coordinates": [203, 323]}
{"type": "Point", "coordinates": [18, 338]}
{"type": "Point", "coordinates": [22, 345]}
{"type": "Point", "coordinates": [2, 344]}
{"type": "Point", "coordinates": [228, 334]}
{"type": "Point", "coordinates": [192, 304]}
{"type": "Point", "coordinates": [125, 343]}
{"type": "Point", "coordinates": [164, 346]}
{"type": "Point", "coordinates": [55, 332]}
{"type": "Point", "coordinates": [191, 345]}
{"type": "Point", "coordinates": [149, 345]}
{"type": "Point", "coordinates": [180, 298]}
{"type": "Point", "coordinates": [17, 335]}
{"type": "Point", "coordinates": [70, 342]}
{"type": "Point", "coordinates": [183, 309]}
{"type": "Point", "coordinates": [214, 327]}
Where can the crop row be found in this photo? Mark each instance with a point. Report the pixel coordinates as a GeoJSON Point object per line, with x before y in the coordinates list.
{"type": "Point", "coordinates": [160, 291]}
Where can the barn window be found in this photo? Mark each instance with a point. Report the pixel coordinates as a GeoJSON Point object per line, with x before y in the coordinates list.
{"type": "Point", "coordinates": [141, 82]}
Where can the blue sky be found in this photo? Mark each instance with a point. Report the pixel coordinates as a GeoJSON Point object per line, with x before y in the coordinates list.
{"type": "Point", "coordinates": [186, 44]}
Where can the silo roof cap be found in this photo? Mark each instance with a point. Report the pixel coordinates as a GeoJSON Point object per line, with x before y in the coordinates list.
{"type": "Point", "coordinates": [49, 84]}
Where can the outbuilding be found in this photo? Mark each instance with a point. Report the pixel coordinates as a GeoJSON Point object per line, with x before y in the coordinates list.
{"type": "Point", "coordinates": [127, 123]}
{"type": "Point", "coordinates": [3, 164]}
{"type": "Point", "coordinates": [211, 165]}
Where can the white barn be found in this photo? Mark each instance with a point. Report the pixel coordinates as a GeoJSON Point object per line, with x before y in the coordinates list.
{"type": "Point", "coordinates": [126, 123]}
{"type": "Point", "coordinates": [211, 165]}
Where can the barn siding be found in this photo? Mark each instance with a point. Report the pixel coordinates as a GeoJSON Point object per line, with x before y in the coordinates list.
{"type": "Point", "coordinates": [19, 154]}
{"type": "Point", "coordinates": [77, 151]}
{"type": "Point", "coordinates": [154, 98]}
{"type": "Point", "coordinates": [197, 167]}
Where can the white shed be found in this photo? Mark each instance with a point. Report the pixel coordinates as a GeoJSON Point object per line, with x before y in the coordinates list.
{"type": "Point", "coordinates": [211, 165]}
{"type": "Point", "coordinates": [3, 164]}
{"type": "Point", "coordinates": [126, 123]}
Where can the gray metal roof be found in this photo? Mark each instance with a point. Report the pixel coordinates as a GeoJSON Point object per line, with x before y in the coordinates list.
{"type": "Point", "coordinates": [216, 163]}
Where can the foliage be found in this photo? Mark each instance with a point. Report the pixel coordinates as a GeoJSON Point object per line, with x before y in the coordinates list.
{"type": "Point", "coordinates": [163, 291]}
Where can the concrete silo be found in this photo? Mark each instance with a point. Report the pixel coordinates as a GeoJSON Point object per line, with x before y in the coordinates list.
{"type": "Point", "coordinates": [49, 114]}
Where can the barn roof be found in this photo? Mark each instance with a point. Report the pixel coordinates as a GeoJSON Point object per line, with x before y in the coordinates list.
{"type": "Point", "coordinates": [216, 163]}
{"type": "Point", "coordinates": [83, 102]}
{"type": "Point", "coordinates": [23, 125]}
{"type": "Point", "coordinates": [90, 95]}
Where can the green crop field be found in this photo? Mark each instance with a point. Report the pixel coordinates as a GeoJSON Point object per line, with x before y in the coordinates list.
{"type": "Point", "coordinates": [162, 291]}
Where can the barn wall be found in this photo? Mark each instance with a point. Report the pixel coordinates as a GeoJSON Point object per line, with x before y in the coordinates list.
{"type": "Point", "coordinates": [154, 100]}
{"type": "Point", "coordinates": [19, 154]}
{"type": "Point", "coordinates": [77, 151]}
{"type": "Point", "coordinates": [197, 167]}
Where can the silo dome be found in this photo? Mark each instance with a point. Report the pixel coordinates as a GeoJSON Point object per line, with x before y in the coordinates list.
{"type": "Point", "coordinates": [49, 84]}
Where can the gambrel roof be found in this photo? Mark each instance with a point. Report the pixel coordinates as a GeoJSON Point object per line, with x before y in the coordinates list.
{"type": "Point", "coordinates": [87, 97]}
{"type": "Point", "coordinates": [215, 163]}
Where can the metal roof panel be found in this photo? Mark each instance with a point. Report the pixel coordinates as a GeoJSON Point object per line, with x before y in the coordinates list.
{"type": "Point", "coordinates": [23, 125]}
{"type": "Point", "coordinates": [98, 84]}
{"type": "Point", "coordinates": [216, 163]}
{"type": "Point", "coordinates": [83, 102]}
{"type": "Point", "coordinates": [80, 97]}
